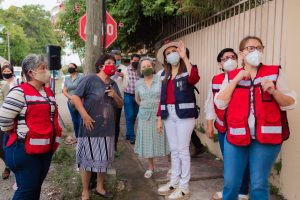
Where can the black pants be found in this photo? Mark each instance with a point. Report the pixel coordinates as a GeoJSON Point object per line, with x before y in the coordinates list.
{"type": "Point", "coordinates": [2, 154]}
{"type": "Point", "coordinates": [117, 125]}
{"type": "Point", "coordinates": [196, 141]}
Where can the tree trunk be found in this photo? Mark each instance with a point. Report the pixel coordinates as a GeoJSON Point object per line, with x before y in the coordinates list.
{"type": "Point", "coordinates": [93, 44]}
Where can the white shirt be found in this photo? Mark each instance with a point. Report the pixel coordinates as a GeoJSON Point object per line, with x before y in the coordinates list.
{"type": "Point", "coordinates": [281, 86]}
{"type": "Point", "coordinates": [121, 82]}
{"type": "Point", "coordinates": [209, 108]}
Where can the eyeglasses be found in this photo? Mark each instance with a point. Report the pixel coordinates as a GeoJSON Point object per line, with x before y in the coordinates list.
{"type": "Point", "coordinates": [253, 48]}
{"type": "Point", "coordinates": [233, 57]}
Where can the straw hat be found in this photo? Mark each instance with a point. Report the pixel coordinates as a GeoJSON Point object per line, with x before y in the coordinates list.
{"type": "Point", "coordinates": [160, 53]}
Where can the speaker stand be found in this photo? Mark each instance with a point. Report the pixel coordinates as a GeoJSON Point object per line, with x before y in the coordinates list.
{"type": "Point", "coordinates": [52, 86]}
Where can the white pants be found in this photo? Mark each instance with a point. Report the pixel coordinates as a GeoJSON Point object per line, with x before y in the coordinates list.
{"type": "Point", "coordinates": [179, 133]}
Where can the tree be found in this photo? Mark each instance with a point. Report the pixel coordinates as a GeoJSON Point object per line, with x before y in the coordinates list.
{"type": "Point", "coordinates": [30, 31]}
{"type": "Point", "coordinates": [68, 19]}
{"type": "Point", "coordinates": [141, 20]}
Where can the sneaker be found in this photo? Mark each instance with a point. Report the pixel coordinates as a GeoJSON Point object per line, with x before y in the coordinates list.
{"type": "Point", "coordinates": [243, 197]}
{"type": "Point", "coordinates": [132, 141]}
{"type": "Point", "coordinates": [148, 173]}
{"type": "Point", "coordinates": [166, 189]}
{"type": "Point", "coordinates": [179, 194]}
{"type": "Point", "coordinates": [218, 196]}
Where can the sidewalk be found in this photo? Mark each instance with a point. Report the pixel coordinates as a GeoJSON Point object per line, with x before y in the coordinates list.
{"type": "Point", "coordinates": [206, 175]}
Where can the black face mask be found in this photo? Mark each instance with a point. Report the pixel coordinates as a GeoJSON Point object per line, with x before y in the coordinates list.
{"type": "Point", "coordinates": [7, 76]}
{"type": "Point", "coordinates": [71, 70]}
{"type": "Point", "coordinates": [135, 65]}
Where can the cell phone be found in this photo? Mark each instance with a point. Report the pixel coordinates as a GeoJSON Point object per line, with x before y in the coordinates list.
{"type": "Point", "coordinates": [107, 88]}
{"type": "Point", "coordinates": [119, 70]}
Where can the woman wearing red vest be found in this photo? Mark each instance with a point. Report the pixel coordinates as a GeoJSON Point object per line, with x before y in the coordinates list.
{"type": "Point", "coordinates": [227, 60]}
{"type": "Point", "coordinates": [256, 97]}
{"type": "Point", "coordinates": [178, 110]}
{"type": "Point", "coordinates": [29, 114]}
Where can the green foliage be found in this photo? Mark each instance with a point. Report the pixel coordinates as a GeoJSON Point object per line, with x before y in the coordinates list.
{"type": "Point", "coordinates": [201, 128]}
{"type": "Point", "coordinates": [30, 30]}
{"type": "Point", "coordinates": [154, 8]}
{"type": "Point", "coordinates": [19, 44]}
{"type": "Point", "coordinates": [275, 191]}
{"type": "Point", "coordinates": [65, 176]}
{"type": "Point", "coordinates": [68, 19]}
{"type": "Point", "coordinates": [277, 166]}
{"type": "Point", "coordinates": [203, 8]}
{"type": "Point", "coordinates": [143, 20]}
{"type": "Point", "coordinates": [64, 155]}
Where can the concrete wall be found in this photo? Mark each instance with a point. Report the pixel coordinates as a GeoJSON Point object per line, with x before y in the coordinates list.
{"type": "Point", "coordinates": [290, 173]}
{"type": "Point", "coordinates": [277, 24]}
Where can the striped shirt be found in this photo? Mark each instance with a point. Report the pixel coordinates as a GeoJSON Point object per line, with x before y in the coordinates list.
{"type": "Point", "coordinates": [133, 78]}
{"type": "Point", "coordinates": [15, 106]}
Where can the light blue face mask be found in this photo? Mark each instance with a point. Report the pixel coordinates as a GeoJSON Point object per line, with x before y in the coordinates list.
{"type": "Point", "coordinates": [173, 58]}
{"type": "Point", "coordinates": [118, 62]}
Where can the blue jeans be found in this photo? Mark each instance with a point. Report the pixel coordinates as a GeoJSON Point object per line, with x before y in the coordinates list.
{"type": "Point", "coordinates": [260, 158]}
{"type": "Point", "coordinates": [75, 118]}
{"type": "Point", "coordinates": [244, 189]}
{"type": "Point", "coordinates": [30, 171]}
{"type": "Point", "coordinates": [131, 110]}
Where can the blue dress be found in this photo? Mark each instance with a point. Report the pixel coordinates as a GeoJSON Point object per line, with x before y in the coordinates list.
{"type": "Point", "coordinates": [149, 143]}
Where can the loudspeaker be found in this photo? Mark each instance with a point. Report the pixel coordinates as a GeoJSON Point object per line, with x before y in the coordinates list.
{"type": "Point", "coordinates": [53, 55]}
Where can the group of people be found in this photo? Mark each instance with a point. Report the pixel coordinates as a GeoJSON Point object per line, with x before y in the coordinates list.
{"type": "Point", "coordinates": [248, 105]}
{"type": "Point", "coordinates": [246, 102]}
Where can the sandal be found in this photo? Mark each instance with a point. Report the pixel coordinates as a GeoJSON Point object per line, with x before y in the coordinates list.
{"type": "Point", "coordinates": [106, 195]}
{"type": "Point", "coordinates": [148, 173]}
{"type": "Point", "coordinates": [5, 173]}
{"type": "Point", "coordinates": [218, 196]}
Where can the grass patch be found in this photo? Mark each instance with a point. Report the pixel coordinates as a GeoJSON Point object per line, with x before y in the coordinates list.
{"type": "Point", "coordinates": [216, 139]}
{"type": "Point", "coordinates": [69, 180]}
{"type": "Point", "coordinates": [275, 191]}
{"type": "Point", "coordinates": [277, 167]}
{"type": "Point", "coordinates": [201, 128]}
{"type": "Point", "coordinates": [69, 128]}
{"type": "Point", "coordinates": [65, 175]}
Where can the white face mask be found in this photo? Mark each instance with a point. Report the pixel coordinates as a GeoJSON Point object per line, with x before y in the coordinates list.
{"type": "Point", "coordinates": [230, 65]}
{"type": "Point", "coordinates": [44, 77]}
{"type": "Point", "coordinates": [254, 58]}
{"type": "Point", "coordinates": [173, 58]}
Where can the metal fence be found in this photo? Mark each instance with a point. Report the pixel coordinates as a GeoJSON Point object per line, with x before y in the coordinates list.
{"type": "Point", "coordinates": [205, 38]}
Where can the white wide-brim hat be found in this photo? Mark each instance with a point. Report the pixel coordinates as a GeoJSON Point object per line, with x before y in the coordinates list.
{"type": "Point", "coordinates": [160, 52]}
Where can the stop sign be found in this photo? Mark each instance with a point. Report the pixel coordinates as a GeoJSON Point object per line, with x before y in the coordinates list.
{"type": "Point", "coordinates": [111, 29]}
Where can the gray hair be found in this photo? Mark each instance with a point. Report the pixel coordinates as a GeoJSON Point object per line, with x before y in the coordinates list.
{"type": "Point", "coordinates": [140, 65]}
{"type": "Point", "coordinates": [30, 63]}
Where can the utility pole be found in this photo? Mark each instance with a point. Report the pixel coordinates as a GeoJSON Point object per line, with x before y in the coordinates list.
{"type": "Point", "coordinates": [93, 44]}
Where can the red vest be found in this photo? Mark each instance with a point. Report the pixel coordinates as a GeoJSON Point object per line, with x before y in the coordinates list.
{"type": "Point", "coordinates": [271, 126]}
{"type": "Point", "coordinates": [44, 134]}
{"type": "Point", "coordinates": [220, 122]}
